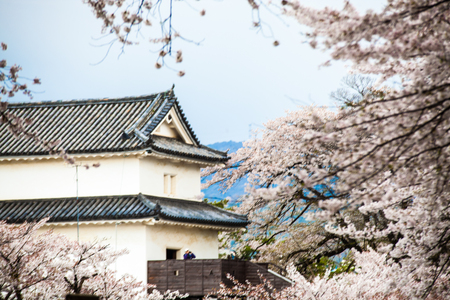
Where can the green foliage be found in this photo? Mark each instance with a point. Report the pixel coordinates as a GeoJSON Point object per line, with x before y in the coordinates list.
{"type": "Point", "coordinates": [225, 240]}
{"type": "Point", "coordinates": [220, 203]}
{"type": "Point", "coordinates": [325, 264]}
{"type": "Point", "coordinates": [228, 239]}
{"type": "Point", "coordinates": [347, 265]}
{"type": "Point", "coordinates": [246, 253]}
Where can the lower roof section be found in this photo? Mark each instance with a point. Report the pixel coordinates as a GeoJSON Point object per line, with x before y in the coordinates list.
{"type": "Point", "coordinates": [124, 207]}
{"type": "Point", "coordinates": [178, 148]}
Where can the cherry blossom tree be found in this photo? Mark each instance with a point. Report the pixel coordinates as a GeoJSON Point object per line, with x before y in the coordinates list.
{"type": "Point", "coordinates": [367, 282]}
{"type": "Point", "coordinates": [276, 167]}
{"type": "Point", "coordinates": [27, 261]}
{"type": "Point", "coordinates": [281, 197]}
{"type": "Point", "coordinates": [279, 200]}
{"type": "Point", "coordinates": [390, 155]}
{"type": "Point", "coordinates": [87, 260]}
{"type": "Point", "coordinates": [353, 89]}
{"type": "Point", "coordinates": [48, 266]}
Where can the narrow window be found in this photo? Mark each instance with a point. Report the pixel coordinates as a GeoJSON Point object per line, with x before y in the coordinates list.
{"type": "Point", "coordinates": [170, 184]}
{"type": "Point", "coordinates": [173, 185]}
{"type": "Point", "coordinates": [166, 184]}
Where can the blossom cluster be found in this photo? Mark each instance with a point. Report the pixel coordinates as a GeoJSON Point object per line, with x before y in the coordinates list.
{"type": "Point", "coordinates": [9, 75]}
{"type": "Point", "coordinates": [48, 266]}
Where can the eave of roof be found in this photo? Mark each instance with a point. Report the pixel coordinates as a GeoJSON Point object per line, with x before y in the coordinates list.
{"type": "Point", "coordinates": [126, 207]}
{"type": "Point", "coordinates": [174, 147]}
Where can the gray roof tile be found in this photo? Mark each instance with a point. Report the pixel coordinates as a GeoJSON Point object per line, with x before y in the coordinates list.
{"type": "Point", "coordinates": [89, 126]}
{"type": "Point", "coordinates": [175, 147]}
{"type": "Point", "coordinates": [118, 208]}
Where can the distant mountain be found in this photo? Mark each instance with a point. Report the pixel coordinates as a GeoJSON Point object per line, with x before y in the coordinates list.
{"type": "Point", "coordinates": [224, 146]}
{"type": "Point", "coordinates": [213, 193]}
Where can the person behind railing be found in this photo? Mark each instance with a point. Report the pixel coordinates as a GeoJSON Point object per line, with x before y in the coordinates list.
{"type": "Point", "coordinates": [231, 255]}
{"type": "Point", "coordinates": [188, 254]}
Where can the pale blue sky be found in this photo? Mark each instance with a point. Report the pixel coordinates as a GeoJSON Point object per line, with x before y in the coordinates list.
{"type": "Point", "coordinates": [236, 77]}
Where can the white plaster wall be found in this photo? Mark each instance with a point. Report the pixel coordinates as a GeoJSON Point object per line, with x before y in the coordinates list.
{"type": "Point", "coordinates": [145, 242]}
{"type": "Point", "coordinates": [152, 172]}
{"type": "Point", "coordinates": [129, 236]}
{"type": "Point", "coordinates": [202, 242]}
{"type": "Point", "coordinates": [52, 178]}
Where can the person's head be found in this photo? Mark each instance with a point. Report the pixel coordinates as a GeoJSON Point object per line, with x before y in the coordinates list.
{"type": "Point", "coordinates": [187, 250]}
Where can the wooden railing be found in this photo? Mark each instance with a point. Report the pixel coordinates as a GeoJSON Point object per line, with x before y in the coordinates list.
{"type": "Point", "coordinates": [199, 277]}
{"type": "Point", "coordinates": [276, 268]}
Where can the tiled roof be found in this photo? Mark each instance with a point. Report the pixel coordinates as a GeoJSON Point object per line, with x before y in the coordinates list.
{"type": "Point", "coordinates": [175, 147]}
{"type": "Point", "coordinates": [194, 211]}
{"type": "Point", "coordinates": [101, 125]}
{"type": "Point", "coordinates": [118, 208]}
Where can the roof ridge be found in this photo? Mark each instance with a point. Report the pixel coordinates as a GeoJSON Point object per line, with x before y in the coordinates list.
{"type": "Point", "coordinates": [216, 151]}
{"type": "Point", "coordinates": [85, 101]}
{"type": "Point", "coordinates": [164, 105]}
{"type": "Point", "coordinates": [69, 198]}
{"type": "Point", "coordinates": [189, 128]}
{"type": "Point", "coordinates": [169, 198]}
{"type": "Point", "coordinates": [102, 196]}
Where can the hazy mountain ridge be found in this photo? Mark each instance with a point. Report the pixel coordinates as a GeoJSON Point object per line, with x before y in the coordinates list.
{"type": "Point", "coordinates": [224, 146]}
{"type": "Point", "coordinates": [213, 192]}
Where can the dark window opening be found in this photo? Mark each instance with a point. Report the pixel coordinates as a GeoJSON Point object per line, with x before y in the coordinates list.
{"type": "Point", "coordinates": [171, 254]}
